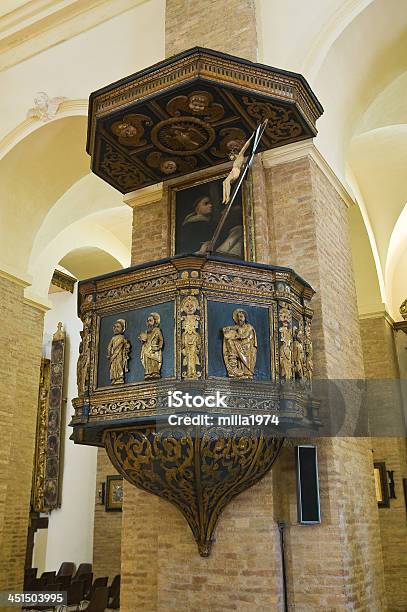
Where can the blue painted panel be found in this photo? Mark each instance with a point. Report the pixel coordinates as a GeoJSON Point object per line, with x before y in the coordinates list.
{"type": "Point", "coordinates": [219, 316]}
{"type": "Point", "coordinates": [136, 323]}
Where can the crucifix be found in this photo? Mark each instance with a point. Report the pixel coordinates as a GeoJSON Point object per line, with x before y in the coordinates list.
{"type": "Point", "coordinates": [236, 177]}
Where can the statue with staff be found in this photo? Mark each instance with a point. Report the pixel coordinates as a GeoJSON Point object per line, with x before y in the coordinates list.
{"type": "Point", "coordinates": [234, 180]}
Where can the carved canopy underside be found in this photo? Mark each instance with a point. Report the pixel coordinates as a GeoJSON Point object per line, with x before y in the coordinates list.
{"type": "Point", "coordinates": [192, 112]}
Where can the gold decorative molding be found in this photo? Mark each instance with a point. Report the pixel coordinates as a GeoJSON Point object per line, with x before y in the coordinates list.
{"type": "Point", "coordinates": [63, 281]}
{"type": "Point", "coordinates": [402, 325]}
{"type": "Point", "coordinates": [306, 148]}
{"type": "Point", "coordinates": [403, 309]}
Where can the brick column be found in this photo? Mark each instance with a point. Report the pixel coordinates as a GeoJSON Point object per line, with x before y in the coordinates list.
{"type": "Point", "coordinates": [381, 362]}
{"type": "Point", "coordinates": [223, 26]}
{"type": "Point", "coordinates": [107, 527]}
{"type": "Point", "coordinates": [161, 568]}
{"type": "Point", "coordinates": [336, 565]}
{"type": "Point", "coordinates": [300, 221]}
{"type": "Point", "coordinates": [21, 348]}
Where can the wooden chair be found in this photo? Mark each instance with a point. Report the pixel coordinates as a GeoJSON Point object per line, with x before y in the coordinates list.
{"type": "Point", "coordinates": [115, 602]}
{"type": "Point", "coordinates": [76, 593]}
{"type": "Point", "coordinates": [114, 587]}
{"type": "Point", "coordinates": [84, 568]}
{"type": "Point", "coordinates": [98, 602]}
{"type": "Point", "coordinates": [87, 579]}
{"type": "Point", "coordinates": [36, 584]}
{"type": "Point", "coordinates": [48, 578]}
{"type": "Point", "coordinates": [67, 569]}
{"type": "Point", "coordinates": [64, 581]}
{"type": "Point", "coordinates": [98, 583]}
{"type": "Point", "coordinates": [30, 573]}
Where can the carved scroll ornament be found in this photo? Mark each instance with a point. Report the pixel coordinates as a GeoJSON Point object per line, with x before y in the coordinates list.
{"type": "Point", "coordinates": [166, 463]}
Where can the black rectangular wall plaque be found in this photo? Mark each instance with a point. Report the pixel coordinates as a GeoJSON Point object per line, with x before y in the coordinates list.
{"type": "Point", "coordinates": [308, 504]}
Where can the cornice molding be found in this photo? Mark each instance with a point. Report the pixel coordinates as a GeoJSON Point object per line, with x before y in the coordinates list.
{"type": "Point", "coordinates": [378, 314]}
{"type": "Point", "coordinates": [63, 281]}
{"type": "Point", "coordinates": [14, 275]}
{"type": "Point", "coordinates": [40, 24]}
{"type": "Point", "coordinates": [145, 196]}
{"type": "Point", "coordinates": [306, 148]}
{"type": "Point", "coordinates": [36, 301]}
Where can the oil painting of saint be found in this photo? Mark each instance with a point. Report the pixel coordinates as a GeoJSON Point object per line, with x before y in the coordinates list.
{"type": "Point", "coordinates": [196, 213]}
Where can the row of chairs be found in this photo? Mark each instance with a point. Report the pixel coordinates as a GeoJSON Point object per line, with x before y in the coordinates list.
{"type": "Point", "coordinates": [64, 576]}
{"type": "Point", "coordinates": [82, 592]}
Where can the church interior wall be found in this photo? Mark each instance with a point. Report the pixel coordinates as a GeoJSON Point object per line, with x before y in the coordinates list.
{"type": "Point", "coordinates": [52, 204]}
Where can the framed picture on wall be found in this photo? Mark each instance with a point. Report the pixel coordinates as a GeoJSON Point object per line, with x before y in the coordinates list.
{"type": "Point", "coordinates": [114, 494]}
{"type": "Point", "coordinates": [195, 211]}
{"type": "Point", "coordinates": [381, 485]}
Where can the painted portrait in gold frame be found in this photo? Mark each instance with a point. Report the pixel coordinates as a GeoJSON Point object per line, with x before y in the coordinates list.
{"type": "Point", "coordinates": [195, 211]}
{"type": "Point", "coordinates": [114, 493]}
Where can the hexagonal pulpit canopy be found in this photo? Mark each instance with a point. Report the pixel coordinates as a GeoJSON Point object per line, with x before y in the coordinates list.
{"type": "Point", "coordinates": [190, 112]}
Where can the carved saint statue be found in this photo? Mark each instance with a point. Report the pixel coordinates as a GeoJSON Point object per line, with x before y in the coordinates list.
{"type": "Point", "coordinates": [83, 365]}
{"type": "Point", "coordinates": [298, 354]}
{"type": "Point", "coordinates": [152, 347]}
{"type": "Point", "coordinates": [235, 172]}
{"type": "Point", "coordinates": [191, 339]}
{"type": "Point", "coordinates": [309, 354]}
{"type": "Point", "coordinates": [118, 351]}
{"type": "Point", "coordinates": [286, 369]}
{"type": "Point", "coordinates": [240, 346]}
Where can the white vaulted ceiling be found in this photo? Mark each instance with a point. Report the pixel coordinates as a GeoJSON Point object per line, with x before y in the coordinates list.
{"type": "Point", "coordinates": [353, 52]}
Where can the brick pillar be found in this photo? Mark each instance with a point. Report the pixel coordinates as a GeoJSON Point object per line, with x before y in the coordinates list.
{"type": "Point", "coordinates": [223, 26]}
{"type": "Point", "coordinates": [300, 221]}
{"type": "Point", "coordinates": [107, 527]}
{"type": "Point", "coordinates": [20, 347]}
{"type": "Point", "coordinates": [161, 568]}
{"type": "Point", "coordinates": [336, 565]}
{"type": "Point", "coordinates": [381, 362]}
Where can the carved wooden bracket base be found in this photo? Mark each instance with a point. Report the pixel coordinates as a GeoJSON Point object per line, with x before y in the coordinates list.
{"type": "Point", "coordinates": [199, 469]}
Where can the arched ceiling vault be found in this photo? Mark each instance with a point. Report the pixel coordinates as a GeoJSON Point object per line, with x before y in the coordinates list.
{"type": "Point", "coordinates": [352, 51]}
{"type": "Point", "coordinates": [33, 175]}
